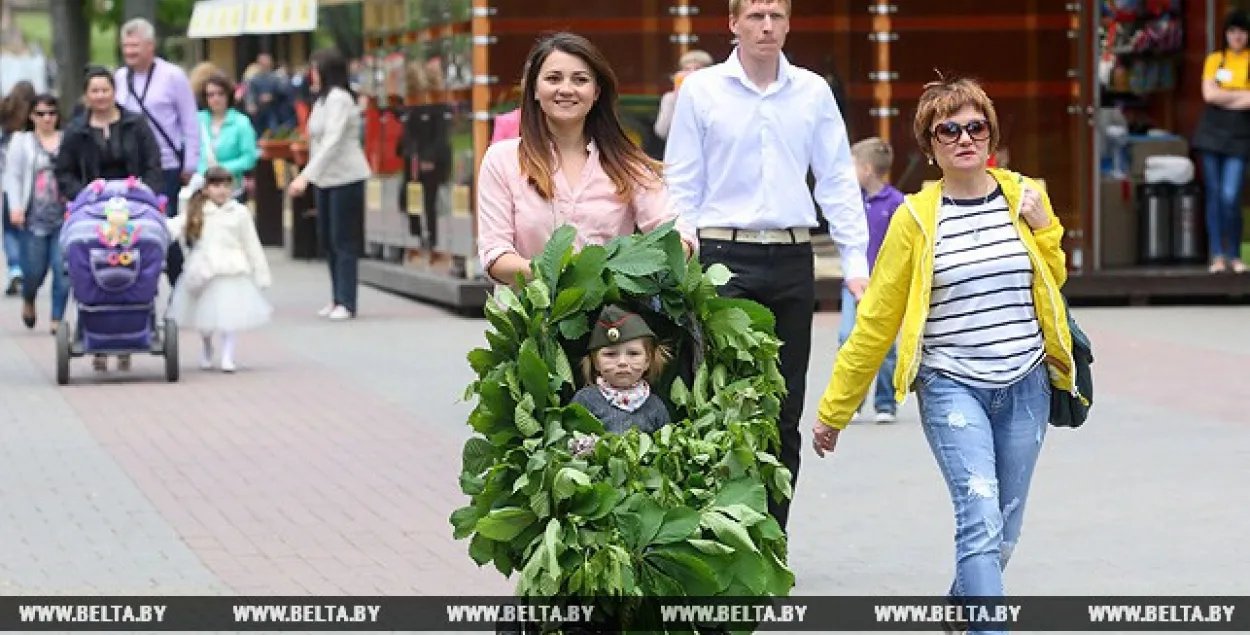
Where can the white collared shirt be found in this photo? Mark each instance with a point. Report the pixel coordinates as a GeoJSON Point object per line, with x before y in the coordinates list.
{"type": "Point", "coordinates": [738, 156]}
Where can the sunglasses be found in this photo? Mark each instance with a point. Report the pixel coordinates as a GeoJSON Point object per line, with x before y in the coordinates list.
{"type": "Point", "coordinates": [45, 113]}
{"type": "Point", "coordinates": [949, 132]}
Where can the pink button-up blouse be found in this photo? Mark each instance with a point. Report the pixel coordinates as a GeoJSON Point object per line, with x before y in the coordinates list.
{"type": "Point", "coordinates": [513, 218]}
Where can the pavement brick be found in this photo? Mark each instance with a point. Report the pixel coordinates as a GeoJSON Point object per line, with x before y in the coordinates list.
{"type": "Point", "coordinates": [328, 465]}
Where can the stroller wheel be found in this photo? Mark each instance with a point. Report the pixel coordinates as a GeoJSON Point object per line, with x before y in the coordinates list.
{"type": "Point", "coordinates": [62, 354]}
{"type": "Point", "coordinates": [171, 350]}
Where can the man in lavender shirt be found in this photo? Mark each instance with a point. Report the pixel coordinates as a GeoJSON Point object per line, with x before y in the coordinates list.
{"type": "Point", "coordinates": [158, 89]}
{"type": "Point", "coordinates": [873, 158]}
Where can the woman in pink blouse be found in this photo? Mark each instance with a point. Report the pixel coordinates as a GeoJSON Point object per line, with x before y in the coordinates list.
{"type": "Point", "coordinates": [572, 165]}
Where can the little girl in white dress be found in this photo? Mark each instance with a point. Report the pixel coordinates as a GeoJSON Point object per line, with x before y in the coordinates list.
{"type": "Point", "coordinates": [219, 290]}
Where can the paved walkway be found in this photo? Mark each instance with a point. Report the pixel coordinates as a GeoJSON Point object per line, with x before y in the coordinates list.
{"type": "Point", "coordinates": [328, 465]}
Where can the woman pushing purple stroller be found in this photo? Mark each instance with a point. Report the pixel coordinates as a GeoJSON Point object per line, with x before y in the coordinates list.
{"type": "Point", "coordinates": [115, 241]}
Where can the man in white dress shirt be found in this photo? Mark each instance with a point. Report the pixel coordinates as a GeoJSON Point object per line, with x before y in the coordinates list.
{"type": "Point", "coordinates": [743, 136]}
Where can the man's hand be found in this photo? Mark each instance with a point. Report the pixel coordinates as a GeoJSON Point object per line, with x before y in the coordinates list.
{"type": "Point", "coordinates": [824, 439]}
{"type": "Point", "coordinates": [1033, 211]}
{"type": "Point", "coordinates": [17, 217]}
{"type": "Point", "coordinates": [857, 287]}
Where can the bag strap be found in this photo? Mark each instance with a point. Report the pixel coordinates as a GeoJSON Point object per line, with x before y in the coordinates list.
{"type": "Point", "coordinates": [179, 151]}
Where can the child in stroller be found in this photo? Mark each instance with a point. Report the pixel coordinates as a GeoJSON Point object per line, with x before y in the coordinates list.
{"type": "Point", "coordinates": [115, 240]}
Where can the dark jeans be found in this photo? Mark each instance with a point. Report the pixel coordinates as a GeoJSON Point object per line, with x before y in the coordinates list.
{"type": "Point", "coordinates": [340, 211]}
{"type": "Point", "coordinates": [12, 239]}
{"type": "Point", "coordinates": [782, 278]}
{"type": "Point", "coordinates": [173, 257]}
{"type": "Point", "coordinates": [40, 253]}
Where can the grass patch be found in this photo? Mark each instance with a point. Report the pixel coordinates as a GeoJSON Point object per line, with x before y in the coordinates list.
{"type": "Point", "coordinates": [37, 28]}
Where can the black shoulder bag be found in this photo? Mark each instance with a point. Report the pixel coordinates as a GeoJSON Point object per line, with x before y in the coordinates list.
{"type": "Point", "coordinates": [1066, 409]}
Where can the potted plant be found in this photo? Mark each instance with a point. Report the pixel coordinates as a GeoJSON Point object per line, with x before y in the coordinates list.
{"type": "Point", "coordinates": [276, 144]}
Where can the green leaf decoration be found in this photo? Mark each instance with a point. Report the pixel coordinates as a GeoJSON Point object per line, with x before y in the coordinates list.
{"type": "Point", "coordinates": [681, 511]}
{"type": "Point", "coordinates": [505, 524]}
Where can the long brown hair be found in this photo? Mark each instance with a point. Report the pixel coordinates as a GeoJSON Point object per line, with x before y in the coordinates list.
{"type": "Point", "coordinates": [623, 161]}
{"type": "Point", "coordinates": [195, 207]}
{"type": "Point", "coordinates": [15, 109]}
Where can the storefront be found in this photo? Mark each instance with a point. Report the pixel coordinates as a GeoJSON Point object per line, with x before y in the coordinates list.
{"type": "Point", "coordinates": [1039, 59]}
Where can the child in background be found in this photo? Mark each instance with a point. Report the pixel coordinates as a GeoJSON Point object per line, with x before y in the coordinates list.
{"type": "Point", "coordinates": [220, 291]}
{"type": "Point", "coordinates": [873, 159]}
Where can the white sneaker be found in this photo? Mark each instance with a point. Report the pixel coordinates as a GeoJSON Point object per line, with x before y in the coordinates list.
{"type": "Point", "coordinates": [886, 417]}
{"type": "Point", "coordinates": [340, 313]}
{"type": "Point", "coordinates": [227, 365]}
{"type": "Point", "coordinates": [327, 310]}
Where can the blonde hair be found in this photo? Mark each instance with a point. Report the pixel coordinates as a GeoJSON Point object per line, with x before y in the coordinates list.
{"type": "Point", "coordinates": [735, 6]}
{"type": "Point", "coordinates": [702, 58]}
{"type": "Point", "coordinates": [657, 355]}
{"type": "Point", "coordinates": [875, 153]}
{"type": "Point", "coordinates": [946, 97]}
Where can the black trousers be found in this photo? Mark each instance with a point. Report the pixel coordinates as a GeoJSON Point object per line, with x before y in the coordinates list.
{"type": "Point", "coordinates": [782, 278]}
{"type": "Point", "coordinates": [173, 256]}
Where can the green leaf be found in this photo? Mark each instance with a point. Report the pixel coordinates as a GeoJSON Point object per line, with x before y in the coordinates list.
{"type": "Point", "coordinates": [711, 547]}
{"type": "Point", "coordinates": [533, 374]}
{"type": "Point", "coordinates": [575, 326]}
{"type": "Point", "coordinates": [506, 523]}
{"type": "Point", "coordinates": [482, 360]}
{"type": "Point", "coordinates": [678, 393]}
{"type": "Point", "coordinates": [729, 531]}
{"type": "Point", "coordinates": [553, 547]}
{"type": "Point", "coordinates": [538, 294]}
{"type": "Point", "coordinates": [481, 549]}
{"type": "Point", "coordinates": [540, 502]}
{"type": "Point", "coordinates": [526, 424]}
{"type": "Point", "coordinates": [700, 386]}
{"type": "Point", "coordinates": [638, 262]}
{"type": "Point", "coordinates": [471, 484]}
{"type": "Point", "coordinates": [744, 491]}
{"type": "Point", "coordinates": [568, 302]}
{"type": "Point", "coordinates": [478, 455]}
{"type": "Point", "coordinates": [781, 482]}
{"type": "Point", "coordinates": [464, 521]}
{"type": "Point", "coordinates": [548, 262]}
{"type": "Point", "coordinates": [692, 573]}
{"type": "Point", "coordinates": [741, 513]}
{"type": "Point", "coordinates": [678, 524]}
{"type": "Point", "coordinates": [562, 367]}
{"type": "Point", "coordinates": [718, 274]}
{"type": "Point", "coordinates": [567, 481]}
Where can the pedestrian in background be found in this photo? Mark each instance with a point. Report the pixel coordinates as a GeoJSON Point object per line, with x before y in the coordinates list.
{"type": "Point", "coordinates": [14, 118]}
{"type": "Point", "coordinates": [873, 159]}
{"type": "Point", "coordinates": [338, 167]}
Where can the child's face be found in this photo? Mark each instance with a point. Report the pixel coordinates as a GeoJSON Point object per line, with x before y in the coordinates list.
{"type": "Point", "coordinates": [218, 193]}
{"type": "Point", "coordinates": [623, 365]}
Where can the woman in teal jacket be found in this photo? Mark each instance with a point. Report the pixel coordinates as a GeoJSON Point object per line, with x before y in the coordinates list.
{"type": "Point", "coordinates": [227, 136]}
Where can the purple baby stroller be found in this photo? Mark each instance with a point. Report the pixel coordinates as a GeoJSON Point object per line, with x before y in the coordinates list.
{"type": "Point", "coordinates": [114, 240]}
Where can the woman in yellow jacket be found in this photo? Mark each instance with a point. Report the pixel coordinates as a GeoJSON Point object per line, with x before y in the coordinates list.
{"type": "Point", "coordinates": [969, 279]}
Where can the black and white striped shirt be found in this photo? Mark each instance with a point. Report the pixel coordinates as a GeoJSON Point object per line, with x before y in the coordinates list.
{"type": "Point", "coordinates": [982, 328]}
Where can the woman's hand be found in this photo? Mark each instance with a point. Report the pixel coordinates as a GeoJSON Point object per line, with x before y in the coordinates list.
{"type": "Point", "coordinates": [824, 439]}
{"type": "Point", "coordinates": [1033, 211]}
{"type": "Point", "coordinates": [18, 218]}
{"type": "Point", "coordinates": [297, 187]}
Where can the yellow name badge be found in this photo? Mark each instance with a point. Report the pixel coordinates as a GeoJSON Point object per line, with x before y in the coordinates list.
{"type": "Point", "coordinates": [416, 199]}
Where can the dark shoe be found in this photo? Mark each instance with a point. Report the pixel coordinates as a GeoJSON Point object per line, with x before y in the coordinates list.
{"type": "Point", "coordinates": [54, 327]}
{"type": "Point", "coordinates": [15, 285]}
{"type": "Point", "coordinates": [28, 313]}
{"type": "Point", "coordinates": [100, 363]}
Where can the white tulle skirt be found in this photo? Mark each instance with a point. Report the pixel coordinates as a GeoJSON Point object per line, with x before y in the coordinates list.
{"type": "Point", "coordinates": [227, 303]}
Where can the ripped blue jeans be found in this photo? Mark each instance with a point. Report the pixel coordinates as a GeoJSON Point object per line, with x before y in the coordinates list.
{"type": "Point", "coordinates": [986, 442]}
